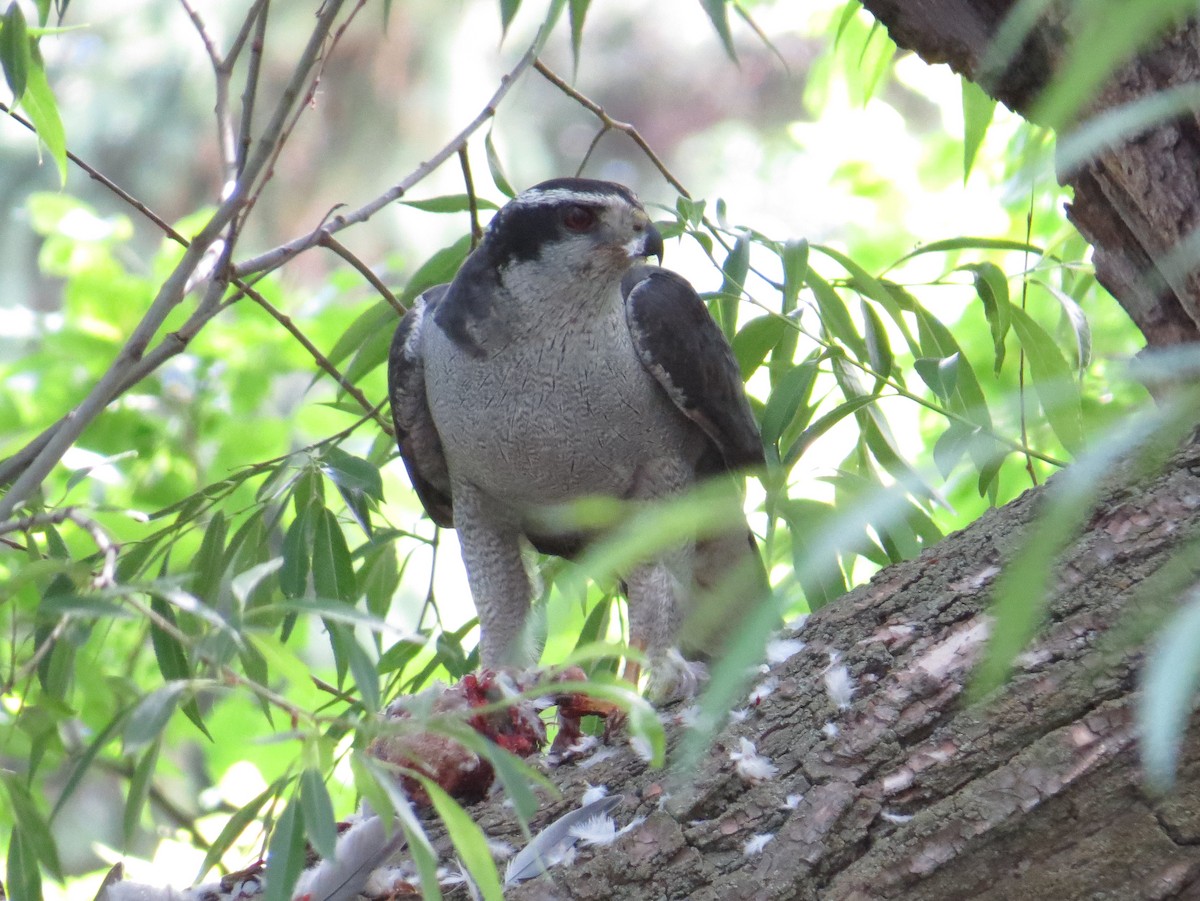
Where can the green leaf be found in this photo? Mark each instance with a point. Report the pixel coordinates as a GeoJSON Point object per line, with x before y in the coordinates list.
{"type": "Point", "coordinates": [469, 840]}
{"type": "Point", "coordinates": [38, 102]}
{"type": "Point", "coordinates": [879, 348]}
{"type": "Point", "coordinates": [140, 784]}
{"type": "Point", "coordinates": [1077, 319]}
{"type": "Point", "coordinates": [508, 11]}
{"type": "Point", "coordinates": [825, 423]}
{"type": "Point", "coordinates": [319, 822]}
{"type": "Point", "coordinates": [285, 854]}
{"type": "Point", "coordinates": [578, 12]}
{"type": "Point", "coordinates": [293, 575]}
{"type": "Point", "coordinates": [351, 472]}
{"type": "Point", "coordinates": [755, 339]}
{"type": "Point", "coordinates": [718, 14]}
{"type": "Point", "coordinates": [236, 824]}
{"type": "Point", "coordinates": [495, 167]}
{"type": "Point", "coordinates": [733, 283]}
{"type": "Point", "coordinates": [1052, 379]}
{"type": "Point", "coordinates": [835, 317]}
{"type": "Point", "coordinates": [449, 203]}
{"type": "Point", "coordinates": [15, 55]}
{"type": "Point", "coordinates": [149, 718]}
{"type": "Point", "coordinates": [978, 110]}
{"type": "Point", "coordinates": [992, 288]}
{"type": "Point", "coordinates": [208, 565]}
{"type": "Point", "coordinates": [793, 389]}
{"type": "Point", "coordinates": [33, 828]}
{"type": "Point", "coordinates": [332, 569]}
{"type": "Point", "coordinates": [24, 879]}
{"type": "Point", "coordinates": [366, 676]}
{"type": "Point", "coordinates": [1169, 682]}
{"type": "Point", "coordinates": [172, 658]}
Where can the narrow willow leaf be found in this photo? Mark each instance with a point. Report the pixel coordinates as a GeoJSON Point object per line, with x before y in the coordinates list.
{"type": "Point", "coordinates": [140, 784]}
{"type": "Point", "coordinates": [237, 823]}
{"type": "Point", "coordinates": [495, 167]}
{"type": "Point", "coordinates": [449, 203]}
{"type": "Point", "coordinates": [1169, 684]}
{"type": "Point", "coordinates": [1103, 43]}
{"type": "Point", "coordinates": [366, 676]}
{"type": "Point", "coordinates": [332, 570]}
{"type": "Point", "coordinates": [1077, 319]}
{"type": "Point", "coordinates": [578, 12]}
{"type": "Point", "coordinates": [825, 423]}
{"type": "Point", "coordinates": [319, 823]}
{"type": "Point", "coordinates": [23, 877]}
{"type": "Point", "coordinates": [733, 282]}
{"type": "Point", "coordinates": [14, 50]}
{"type": "Point", "coordinates": [1052, 380]}
{"type": "Point", "coordinates": [148, 719]}
{"type": "Point", "coordinates": [208, 565]}
{"type": "Point", "coordinates": [879, 348]}
{"type": "Point", "coordinates": [978, 110]}
{"type": "Point", "coordinates": [755, 340]}
{"type": "Point", "coordinates": [965, 243]}
{"type": "Point", "coordinates": [39, 103]}
{"type": "Point", "coordinates": [349, 471]}
{"type": "Point", "coordinates": [285, 854]}
{"type": "Point", "coordinates": [293, 574]}
{"type": "Point", "coordinates": [835, 317]}
{"type": "Point", "coordinates": [376, 318]}
{"type": "Point", "coordinates": [1116, 125]}
{"type": "Point", "coordinates": [992, 288]}
{"type": "Point", "coordinates": [793, 389]}
{"type": "Point", "coordinates": [794, 257]}
{"type": "Point", "coordinates": [172, 658]}
{"type": "Point", "coordinates": [468, 839]}
{"type": "Point", "coordinates": [32, 826]}
{"type": "Point", "coordinates": [384, 783]}
{"type": "Point", "coordinates": [718, 14]}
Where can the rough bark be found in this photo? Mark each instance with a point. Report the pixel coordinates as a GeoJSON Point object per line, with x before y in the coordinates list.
{"type": "Point", "coordinates": [1033, 794]}
{"type": "Point", "coordinates": [1135, 202]}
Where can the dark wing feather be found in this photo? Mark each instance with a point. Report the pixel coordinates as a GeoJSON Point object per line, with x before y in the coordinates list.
{"type": "Point", "coordinates": [418, 439]}
{"type": "Point", "coordinates": [680, 344]}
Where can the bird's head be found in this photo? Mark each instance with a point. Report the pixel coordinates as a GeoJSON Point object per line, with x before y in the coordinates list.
{"type": "Point", "coordinates": [572, 227]}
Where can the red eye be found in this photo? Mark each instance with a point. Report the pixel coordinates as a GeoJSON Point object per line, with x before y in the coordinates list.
{"type": "Point", "coordinates": [579, 218]}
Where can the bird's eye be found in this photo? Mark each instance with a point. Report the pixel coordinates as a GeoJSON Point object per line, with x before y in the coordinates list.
{"type": "Point", "coordinates": [579, 218]}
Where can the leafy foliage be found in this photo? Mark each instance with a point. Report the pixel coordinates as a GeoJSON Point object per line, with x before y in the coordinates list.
{"type": "Point", "coordinates": [275, 578]}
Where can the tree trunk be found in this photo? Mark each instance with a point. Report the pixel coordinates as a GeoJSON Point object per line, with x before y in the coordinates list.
{"type": "Point", "coordinates": [1033, 794]}
{"type": "Point", "coordinates": [1136, 202]}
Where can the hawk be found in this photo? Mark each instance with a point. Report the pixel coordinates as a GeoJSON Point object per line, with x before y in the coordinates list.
{"type": "Point", "coordinates": [556, 366]}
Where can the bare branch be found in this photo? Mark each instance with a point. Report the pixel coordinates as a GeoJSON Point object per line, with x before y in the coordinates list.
{"type": "Point", "coordinates": [624, 127]}
{"type": "Point", "coordinates": [328, 240]}
{"type": "Point", "coordinates": [221, 77]}
{"type": "Point", "coordinates": [472, 201]}
{"type": "Point", "coordinates": [250, 90]}
{"type": "Point", "coordinates": [107, 547]}
{"type": "Point", "coordinates": [171, 292]}
{"type": "Point", "coordinates": [275, 258]}
{"type": "Point", "coordinates": [290, 327]}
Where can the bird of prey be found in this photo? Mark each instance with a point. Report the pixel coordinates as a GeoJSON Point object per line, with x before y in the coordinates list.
{"type": "Point", "coordinates": [556, 366]}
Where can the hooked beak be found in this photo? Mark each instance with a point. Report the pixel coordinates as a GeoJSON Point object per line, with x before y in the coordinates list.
{"type": "Point", "coordinates": [652, 243]}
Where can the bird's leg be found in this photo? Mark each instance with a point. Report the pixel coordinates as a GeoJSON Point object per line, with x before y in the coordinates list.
{"type": "Point", "coordinates": [655, 592]}
{"type": "Point", "coordinates": [500, 585]}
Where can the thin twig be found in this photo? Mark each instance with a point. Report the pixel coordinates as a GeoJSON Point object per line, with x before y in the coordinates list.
{"type": "Point", "coordinates": [605, 128]}
{"type": "Point", "coordinates": [221, 79]}
{"type": "Point", "coordinates": [276, 257]}
{"type": "Point", "coordinates": [250, 89]}
{"type": "Point", "coordinates": [290, 327]}
{"type": "Point", "coordinates": [464, 162]}
{"type": "Point", "coordinates": [624, 127]}
{"type": "Point", "coordinates": [107, 547]}
{"type": "Point", "coordinates": [171, 291]}
{"type": "Point", "coordinates": [328, 240]}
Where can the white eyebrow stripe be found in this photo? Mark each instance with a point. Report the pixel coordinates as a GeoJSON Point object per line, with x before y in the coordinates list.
{"type": "Point", "coordinates": [565, 195]}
